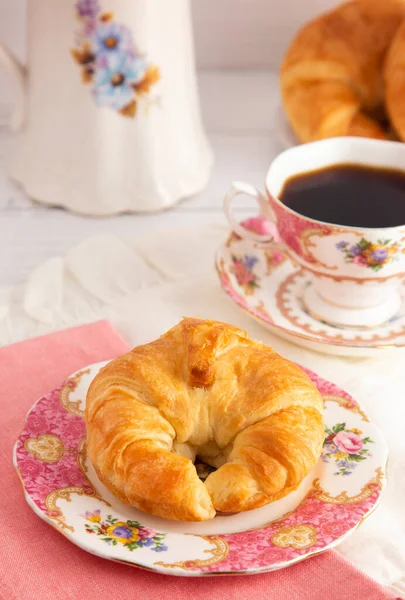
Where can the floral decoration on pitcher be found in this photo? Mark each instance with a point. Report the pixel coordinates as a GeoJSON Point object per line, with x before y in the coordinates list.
{"type": "Point", "coordinates": [110, 63]}
{"type": "Point", "coordinates": [345, 447]}
{"type": "Point", "coordinates": [130, 534]}
{"type": "Point", "coordinates": [243, 270]}
{"type": "Point", "coordinates": [368, 254]}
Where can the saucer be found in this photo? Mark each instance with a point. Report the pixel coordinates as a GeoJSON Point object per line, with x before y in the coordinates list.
{"type": "Point", "coordinates": [62, 488]}
{"type": "Point", "coordinates": [271, 288]}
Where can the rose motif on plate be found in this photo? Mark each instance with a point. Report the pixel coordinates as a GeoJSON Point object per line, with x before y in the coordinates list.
{"type": "Point", "coordinates": [297, 536]}
{"type": "Point", "coordinates": [345, 447]}
{"type": "Point", "coordinates": [335, 528]}
{"type": "Point", "coordinates": [243, 269]}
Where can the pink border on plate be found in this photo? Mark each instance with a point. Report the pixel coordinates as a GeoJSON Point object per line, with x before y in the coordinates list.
{"type": "Point", "coordinates": [40, 478]}
{"type": "Point", "coordinates": [260, 548]}
{"type": "Point", "coordinates": [320, 524]}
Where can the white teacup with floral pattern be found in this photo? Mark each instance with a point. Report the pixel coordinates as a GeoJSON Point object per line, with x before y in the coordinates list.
{"type": "Point", "coordinates": [356, 272]}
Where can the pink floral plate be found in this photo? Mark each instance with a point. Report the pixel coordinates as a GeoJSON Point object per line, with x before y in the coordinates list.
{"type": "Point", "coordinates": [61, 487]}
{"type": "Point", "coordinates": [268, 285]}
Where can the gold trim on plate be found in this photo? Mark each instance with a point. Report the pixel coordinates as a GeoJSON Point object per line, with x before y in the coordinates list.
{"type": "Point", "coordinates": [46, 447]}
{"type": "Point", "coordinates": [218, 553]}
{"type": "Point", "coordinates": [346, 403]}
{"type": "Point", "coordinates": [343, 498]}
{"type": "Point", "coordinates": [72, 406]}
{"type": "Point", "coordinates": [64, 494]}
{"type": "Point", "coordinates": [298, 537]}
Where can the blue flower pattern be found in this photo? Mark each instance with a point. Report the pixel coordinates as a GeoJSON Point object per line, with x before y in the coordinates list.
{"type": "Point", "coordinates": [250, 261]}
{"type": "Point", "coordinates": [109, 60]}
{"type": "Point", "coordinates": [111, 38]}
{"type": "Point", "coordinates": [114, 80]}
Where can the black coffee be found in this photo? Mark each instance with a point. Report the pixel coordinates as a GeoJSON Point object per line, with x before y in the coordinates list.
{"type": "Point", "coordinates": [348, 195]}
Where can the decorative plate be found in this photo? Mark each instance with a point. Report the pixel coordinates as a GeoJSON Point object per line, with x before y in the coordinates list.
{"type": "Point", "coordinates": [269, 286]}
{"type": "Point", "coordinates": [61, 487]}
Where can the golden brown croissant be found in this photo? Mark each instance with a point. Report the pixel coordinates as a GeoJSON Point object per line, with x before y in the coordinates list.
{"type": "Point", "coordinates": [395, 83]}
{"type": "Point", "coordinates": [204, 388]}
{"type": "Point", "coordinates": [332, 73]}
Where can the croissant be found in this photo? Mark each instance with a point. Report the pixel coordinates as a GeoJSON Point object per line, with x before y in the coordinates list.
{"type": "Point", "coordinates": [204, 388]}
{"type": "Point", "coordinates": [394, 76]}
{"type": "Point", "coordinates": [332, 74]}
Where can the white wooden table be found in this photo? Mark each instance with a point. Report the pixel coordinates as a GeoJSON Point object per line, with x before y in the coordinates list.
{"type": "Point", "coordinates": [239, 111]}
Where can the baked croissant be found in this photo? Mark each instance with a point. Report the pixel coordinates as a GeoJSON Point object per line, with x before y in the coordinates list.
{"type": "Point", "coordinates": [395, 83]}
{"type": "Point", "coordinates": [332, 73]}
{"type": "Point", "coordinates": [204, 388]}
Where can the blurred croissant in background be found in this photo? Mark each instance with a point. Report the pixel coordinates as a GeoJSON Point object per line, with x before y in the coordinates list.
{"type": "Point", "coordinates": [343, 68]}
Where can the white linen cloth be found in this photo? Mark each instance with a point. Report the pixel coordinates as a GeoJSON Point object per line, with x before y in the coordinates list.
{"type": "Point", "coordinates": [147, 286]}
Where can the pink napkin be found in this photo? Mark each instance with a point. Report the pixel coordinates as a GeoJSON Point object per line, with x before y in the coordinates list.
{"type": "Point", "coordinates": [37, 563]}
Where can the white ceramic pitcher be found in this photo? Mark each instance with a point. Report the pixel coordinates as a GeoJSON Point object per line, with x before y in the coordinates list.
{"type": "Point", "coordinates": [109, 117]}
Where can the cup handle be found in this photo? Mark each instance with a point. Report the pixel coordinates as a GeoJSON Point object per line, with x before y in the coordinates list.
{"type": "Point", "coordinates": [271, 235]}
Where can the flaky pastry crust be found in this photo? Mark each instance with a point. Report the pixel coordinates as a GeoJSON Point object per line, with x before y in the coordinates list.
{"type": "Point", "coordinates": [332, 73]}
{"type": "Point", "coordinates": [203, 388]}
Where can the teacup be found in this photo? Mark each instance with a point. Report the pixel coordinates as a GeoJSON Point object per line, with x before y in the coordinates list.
{"type": "Point", "coordinates": [358, 289]}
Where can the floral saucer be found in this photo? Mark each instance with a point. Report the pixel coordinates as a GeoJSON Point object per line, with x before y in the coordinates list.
{"type": "Point", "coordinates": [61, 487]}
{"type": "Point", "coordinates": [270, 287]}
